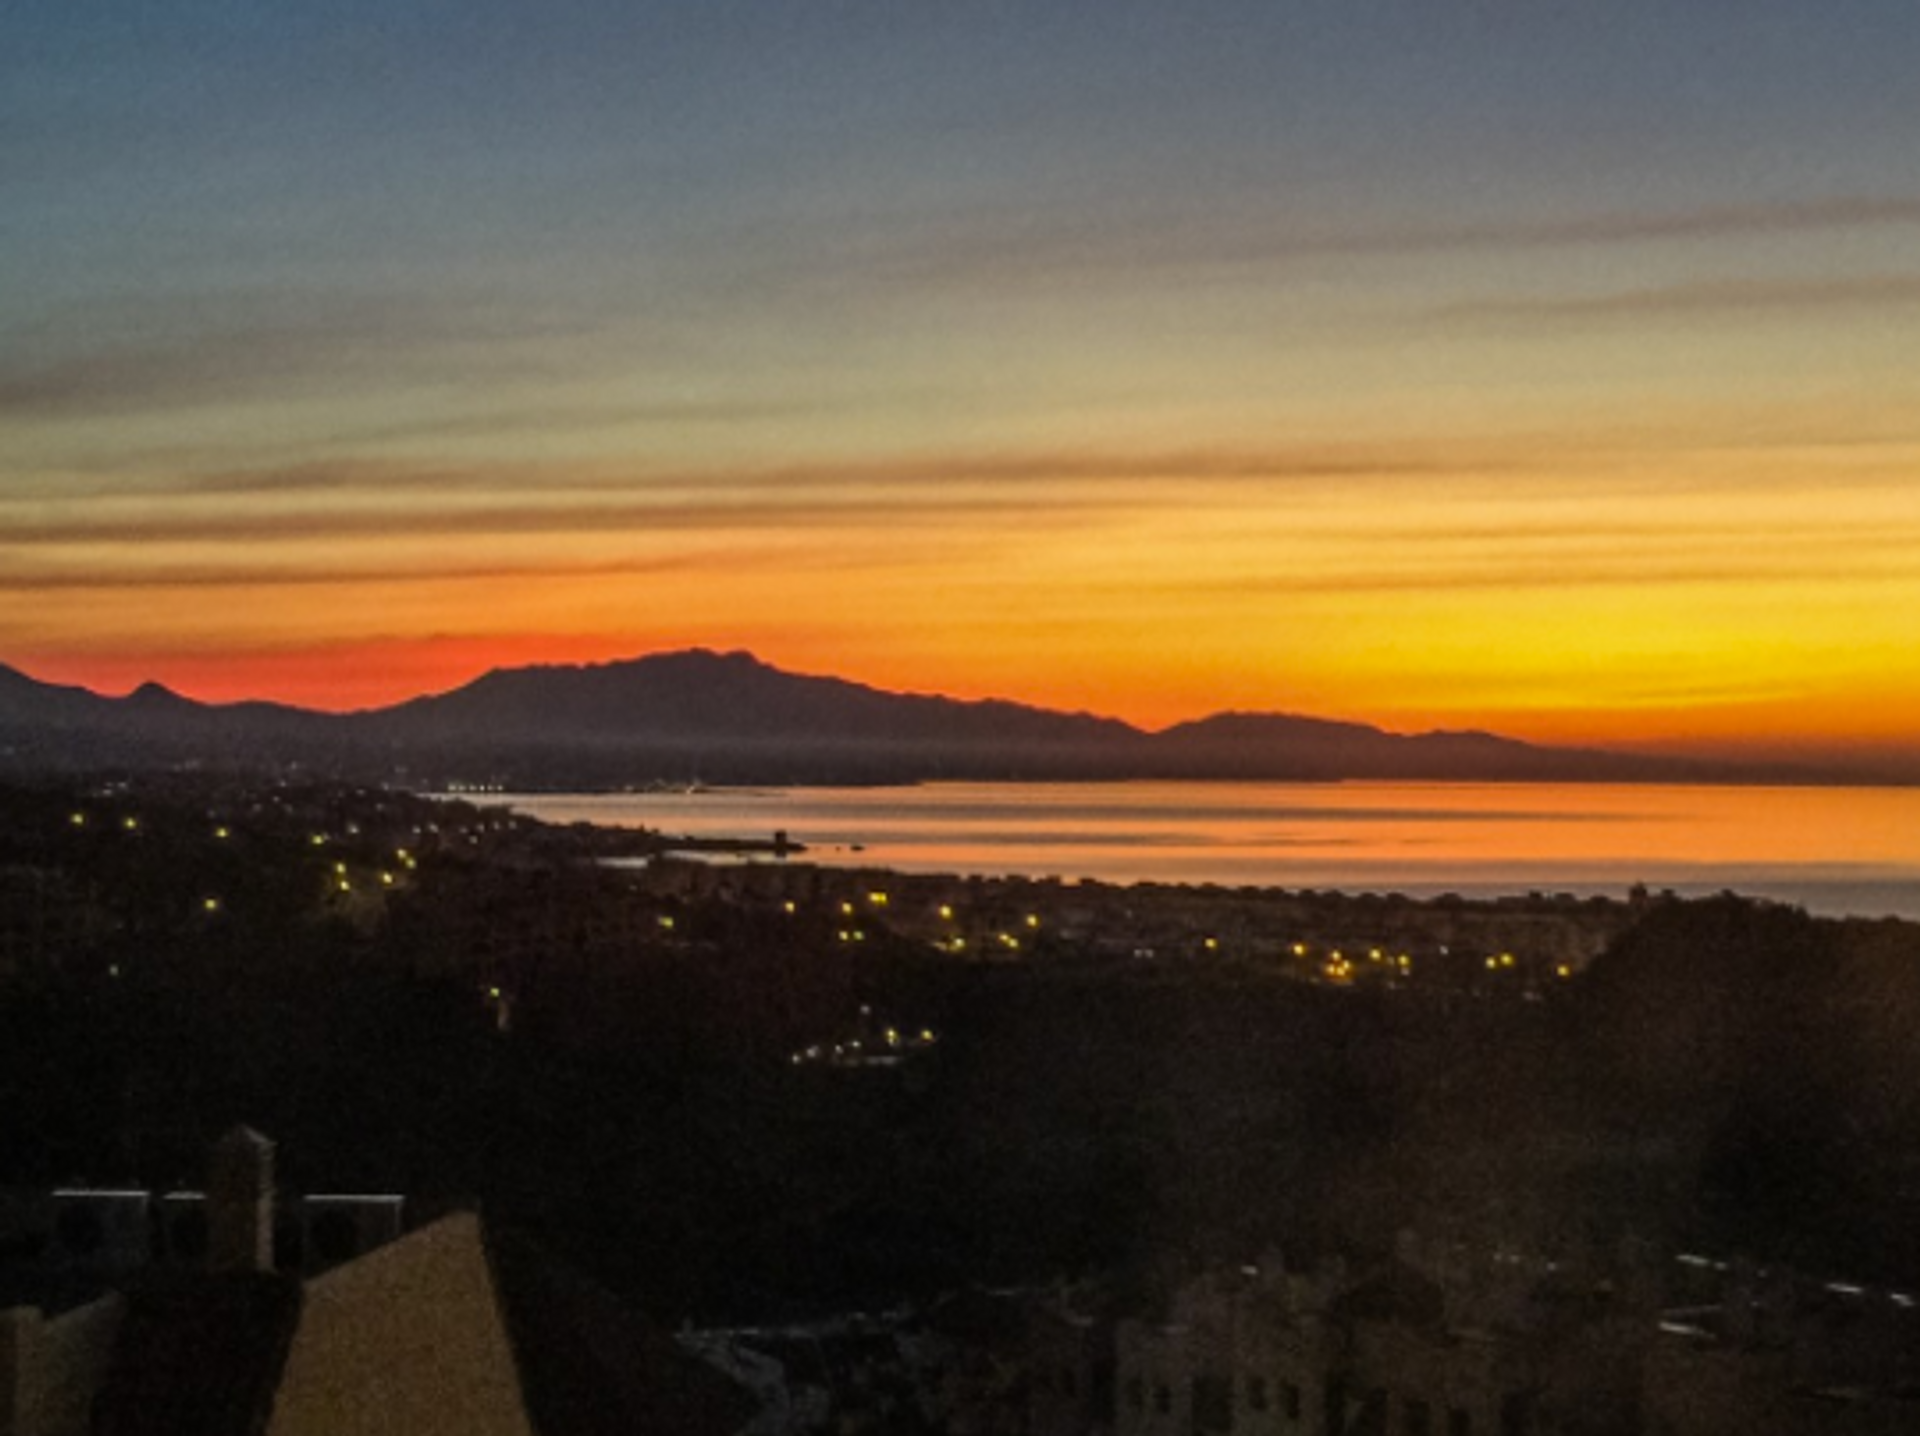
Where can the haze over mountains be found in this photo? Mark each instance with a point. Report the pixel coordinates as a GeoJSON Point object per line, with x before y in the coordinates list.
{"type": "Point", "coordinates": [701, 716]}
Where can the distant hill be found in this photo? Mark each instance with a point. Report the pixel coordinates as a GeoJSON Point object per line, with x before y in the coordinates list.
{"type": "Point", "coordinates": [1265, 744]}
{"type": "Point", "coordinates": [698, 693]}
{"type": "Point", "coordinates": [698, 715]}
{"type": "Point", "coordinates": [27, 701]}
{"type": "Point", "coordinates": [44, 725]}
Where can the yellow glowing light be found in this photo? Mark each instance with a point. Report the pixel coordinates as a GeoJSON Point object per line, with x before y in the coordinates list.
{"type": "Point", "coordinates": [211, 904]}
{"type": "Point", "coordinates": [1033, 919]}
{"type": "Point", "coordinates": [946, 912]}
{"type": "Point", "coordinates": [877, 899]}
{"type": "Point", "coordinates": [130, 824]}
{"type": "Point", "coordinates": [79, 820]}
{"type": "Point", "coordinates": [222, 834]}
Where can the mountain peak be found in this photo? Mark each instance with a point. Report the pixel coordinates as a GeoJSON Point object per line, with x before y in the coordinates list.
{"type": "Point", "coordinates": [678, 660]}
{"type": "Point", "coordinates": [156, 695]}
{"type": "Point", "coordinates": [736, 659]}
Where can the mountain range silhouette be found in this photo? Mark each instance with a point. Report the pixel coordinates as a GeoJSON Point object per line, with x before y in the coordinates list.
{"type": "Point", "coordinates": [700, 715]}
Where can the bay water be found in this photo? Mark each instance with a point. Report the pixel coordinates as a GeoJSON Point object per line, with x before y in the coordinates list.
{"type": "Point", "coordinates": [1835, 851]}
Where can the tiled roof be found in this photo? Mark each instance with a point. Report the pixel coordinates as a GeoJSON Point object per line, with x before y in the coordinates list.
{"type": "Point", "coordinates": [198, 1354]}
{"type": "Point", "coordinates": [590, 1367]}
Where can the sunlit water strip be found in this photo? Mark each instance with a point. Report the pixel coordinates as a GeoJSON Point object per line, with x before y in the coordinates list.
{"type": "Point", "coordinates": [1833, 850]}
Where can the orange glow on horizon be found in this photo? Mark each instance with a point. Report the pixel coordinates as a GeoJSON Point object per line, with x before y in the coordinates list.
{"type": "Point", "coordinates": [342, 677]}
{"type": "Point", "coordinates": [1682, 595]}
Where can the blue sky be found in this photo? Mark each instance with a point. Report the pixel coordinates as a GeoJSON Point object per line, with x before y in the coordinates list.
{"type": "Point", "coordinates": [371, 296]}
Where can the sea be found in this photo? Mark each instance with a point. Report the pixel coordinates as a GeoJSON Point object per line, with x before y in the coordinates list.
{"type": "Point", "coordinates": [1836, 851]}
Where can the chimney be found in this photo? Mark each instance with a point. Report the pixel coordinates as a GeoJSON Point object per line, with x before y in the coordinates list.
{"type": "Point", "coordinates": [240, 1203]}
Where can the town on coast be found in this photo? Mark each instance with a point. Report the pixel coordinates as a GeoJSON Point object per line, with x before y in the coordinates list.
{"type": "Point", "coordinates": [1018, 1154]}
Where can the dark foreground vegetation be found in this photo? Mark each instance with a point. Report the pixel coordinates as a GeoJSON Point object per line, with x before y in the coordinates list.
{"type": "Point", "coordinates": [435, 999]}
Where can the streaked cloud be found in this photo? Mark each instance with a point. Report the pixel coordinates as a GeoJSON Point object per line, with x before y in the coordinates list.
{"type": "Point", "coordinates": [346, 571]}
{"type": "Point", "coordinates": [1724, 298]}
{"type": "Point", "coordinates": [902, 480]}
{"type": "Point", "coordinates": [1723, 221]}
{"type": "Point", "coordinates": [522, 520]}
{"type": "Point", "coordinates": [226, 346]}
{"type": "Point", "coordinates": [996, 246]}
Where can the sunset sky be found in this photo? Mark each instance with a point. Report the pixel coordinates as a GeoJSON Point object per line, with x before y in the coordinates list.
{"type": "Point", "coordinates": [1540, 365]}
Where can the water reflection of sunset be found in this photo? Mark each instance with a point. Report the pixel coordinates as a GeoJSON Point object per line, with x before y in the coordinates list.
{"type": "Point", "coordinates": [1795, 843]}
